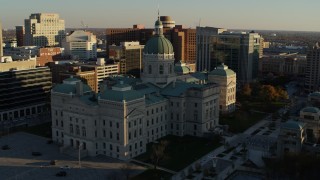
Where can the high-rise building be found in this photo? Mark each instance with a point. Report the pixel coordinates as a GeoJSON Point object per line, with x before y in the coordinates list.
{"type": "Point", "coordinates": [129, 56]}
{"type": "Point", "coordinates": [184, 44]}
{"type": "Point", "coordinates": [44, 29]}
{"type": "Point", "coordinates": [239, 51]}
{"type": "Point", "coordinates": [81, 45]}
{"type": "Point", "coordinates": [1, 48]}
{"type": "Point", "coordinates": [312, 76]}
{"type": "Point", "coordinates": [20, 35]}
{"type": "Point", "coordinates": [24, 94]}
{"type": "Point", "coordinates": [203, 38]}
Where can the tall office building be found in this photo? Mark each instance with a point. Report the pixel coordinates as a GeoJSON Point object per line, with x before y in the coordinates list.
{"type": "Point", "coordinates": [44, 29]}
{"type": "Point", "coordinates": [81, 45]}
{"type": "Point", "coordinates": [20, 35]}
{"type": "Point", "coordinates": [239, 51]}
{"type": "Point", "coordinates": [184, 44]}
{"type": "Point", "coordinates": [203, 35]}
{"type": "Point", "coordinates": [129, 56]}
{"type": "Point", "coordinates": [1, 48]}
{"type": "Point", "coordinates": [312, 76]}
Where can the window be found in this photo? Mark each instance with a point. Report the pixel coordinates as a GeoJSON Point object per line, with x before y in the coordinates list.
{"type": "Point", "coordinates": [77, 130]}
{"type": "Point", "coordinates": [61, 123]}
{"type": "Point", "coordinates": [110, 123]}
{"type": "Point", "coordinates": [170, 69]}
{"type": "Point", "coordinates": [161, 69]}
{"type": "Point", "coordinates": [135, 133]}
{"type": "Point", "coordinates": [111, 147]}
{"type": "Point", "coordinates": [104, 122]}
{"type": "Point", "coordinates": [195, 115]}
{"type": "Point", "coordinates": [104, 133]}
{"type": "Point", "coordinates": [110, 134]}
{"type": "Point", "coordinates": [195, 127]}
{"type": "Point", "coordinates": [84, 133]}
{"type": "Point", "coordinates": [129, 124]}
{"type": "Point", "coordinates": [140, 143]}
{"type": "Point", "coordinates": [195, 104]}
{"type": "Point", "coordinates": [178, 117]}
{"type": "Point", "coordinates": [117, 125]}
{"type": "Point", "coordinates": [147, 123]}
{"type": "Point", "coordinates": [150, 69]}
{"type": "Point", "coordinates": [129, 135]}
{"type": "Point", "coordinates": [135, 122]}
{"type": "Point", "coordinates": [104, 145]}
{"type": "Point", "coordinates": [140, 131]}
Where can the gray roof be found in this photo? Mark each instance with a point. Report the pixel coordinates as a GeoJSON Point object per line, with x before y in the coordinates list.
{"type": "Point", "coordinates": [71, 79]}
{"type": "Point", "coordinates": [69, 88]}
{"type": "Point", "coordinates": [315, 94]}
{"type": "Point", "coordinates": [310, 109]}
{"type": "Point", "coordinates": [222, 70]}
{"type": "Point", "coordinates": [121, 85]}
{"type": "Point", "coordinates": [153, 98]}
{"type": "Point", "coordinates": [296, 125]}
{"type": "Point", "coordinates": [179, 89]}
{"type": "Point", "coordinates": [119, 96]}
{"type": "Point", "coordinates": [89, 100]}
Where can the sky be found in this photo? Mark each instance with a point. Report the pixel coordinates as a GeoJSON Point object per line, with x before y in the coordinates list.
{"type": "Point", "coordinates": [296, 15]}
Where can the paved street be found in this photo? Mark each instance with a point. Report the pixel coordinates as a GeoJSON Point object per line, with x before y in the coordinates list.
{"type": "Point", "coordinates": [18, 162]}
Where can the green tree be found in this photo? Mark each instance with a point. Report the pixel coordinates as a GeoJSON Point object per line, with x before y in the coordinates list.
{"type": "Point", "coordinates": [246, 90]}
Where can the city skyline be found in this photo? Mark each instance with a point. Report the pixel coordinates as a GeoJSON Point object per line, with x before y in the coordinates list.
{"type": "Point", "coordinates": [247, 14]}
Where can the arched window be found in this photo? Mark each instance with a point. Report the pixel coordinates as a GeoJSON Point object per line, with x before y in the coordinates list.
{"type": "Point", "coordinates": [150, 69]}
{"type": "Point", "coordinates": [161, 69]}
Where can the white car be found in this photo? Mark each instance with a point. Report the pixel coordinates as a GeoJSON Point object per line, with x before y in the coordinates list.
{"type": "Point", "coordinates": [65, 167]}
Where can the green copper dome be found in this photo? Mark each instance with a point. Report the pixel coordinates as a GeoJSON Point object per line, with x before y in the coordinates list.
{"type": "Point", "coordinates": [158, 45]}
{"type": "Point", "coordinates": [158, 22]}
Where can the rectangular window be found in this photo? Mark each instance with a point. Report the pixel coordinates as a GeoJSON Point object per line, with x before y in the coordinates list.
{"type": "Point", "coordinates": [110, 123]}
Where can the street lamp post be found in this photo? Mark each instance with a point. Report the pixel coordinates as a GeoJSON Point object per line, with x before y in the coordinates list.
{"type": "Point", "coordinates": [80, 145]}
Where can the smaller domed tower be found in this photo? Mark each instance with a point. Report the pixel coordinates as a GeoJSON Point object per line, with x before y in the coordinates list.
{"type": "Point", "coordinates": [158, 59]}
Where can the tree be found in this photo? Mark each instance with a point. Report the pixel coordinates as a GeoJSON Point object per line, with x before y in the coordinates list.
{"type": "Point", "coordinates": [268, 93]}
{"type": "Point", "coordinates": [158, 152]}
{"type": "Point", "coordinates": [246, 90]}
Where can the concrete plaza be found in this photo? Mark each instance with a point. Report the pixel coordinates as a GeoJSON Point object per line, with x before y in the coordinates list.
{"type": "Point", "coordinates": [19, 163]}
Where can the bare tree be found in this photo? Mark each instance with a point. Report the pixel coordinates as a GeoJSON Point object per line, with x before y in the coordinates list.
{"type": "Point", "coordinates": [158, 152]}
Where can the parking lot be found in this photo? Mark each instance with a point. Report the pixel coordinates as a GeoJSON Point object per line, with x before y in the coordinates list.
{"type": "Point", "coordinates": [29, 157]}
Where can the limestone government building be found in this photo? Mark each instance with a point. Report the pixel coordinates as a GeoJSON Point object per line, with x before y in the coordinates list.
{"type": "Point", "coordinates": [129, 112]}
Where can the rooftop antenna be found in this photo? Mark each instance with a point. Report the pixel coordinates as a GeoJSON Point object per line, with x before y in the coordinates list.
{"type": "Point", "coordinates": [158, 11]}
{"type": "Point", "coordinates": [84, 26]}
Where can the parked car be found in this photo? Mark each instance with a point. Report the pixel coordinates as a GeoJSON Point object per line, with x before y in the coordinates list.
{"type": "Point", "coordinates": [36, 153]}
{"type": "Point", "coordinates": [65, 167]}
{"type": "Point", "coordinates": [61, 173]}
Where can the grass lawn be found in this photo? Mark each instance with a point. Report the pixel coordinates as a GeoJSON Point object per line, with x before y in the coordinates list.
{"type": "Point", "coordinates": [181, 151]}
{"type": "Point", "coordinates": [43, 130]}
{"type": "Point", "coordinates": [239, 121]}
{"type": "Point", "coordinates": [152, 174]}
{"type": "Point", "coordinates": [263, 106]}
